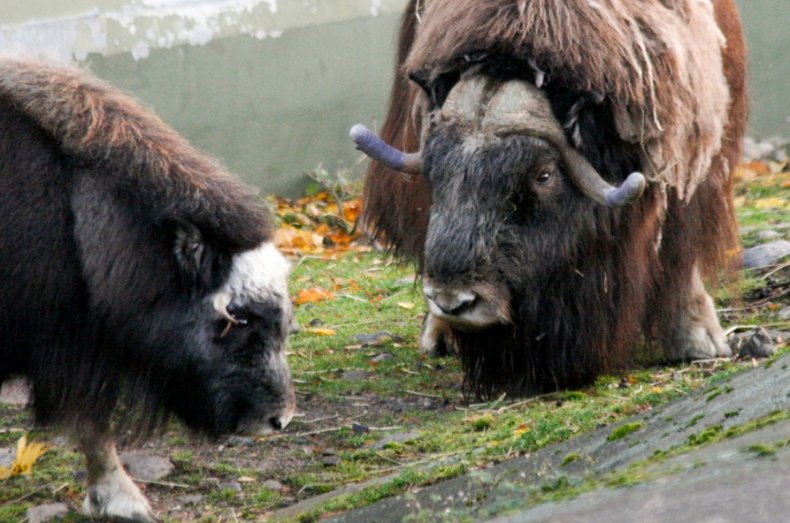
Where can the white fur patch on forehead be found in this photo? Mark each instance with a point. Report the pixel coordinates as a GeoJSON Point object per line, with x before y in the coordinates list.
{"type": "Point", "coordinates": [256, 275]}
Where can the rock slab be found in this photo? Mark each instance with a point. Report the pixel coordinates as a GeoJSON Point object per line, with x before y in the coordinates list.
{"type": "Point", "coordinates": [742, 478]}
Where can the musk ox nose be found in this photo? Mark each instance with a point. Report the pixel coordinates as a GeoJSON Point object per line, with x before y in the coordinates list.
{"type": "Point", "coordinates": [450, 302]}
{"type": "Point", "coordinates": [281, 420]}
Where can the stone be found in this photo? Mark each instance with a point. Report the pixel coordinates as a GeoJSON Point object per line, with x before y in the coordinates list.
{"type": "Point", "coordinates": [759, 345]}
{"type": "Point", "coordinates": [784, 314]}
{"type": "Point", "coordinates": [15, 392]}
{"type": "Point", "coordinates": [239, 441]}
{"type": "Point", "coordinates": [331, 461]}
{"type": "Point", "coordinates": [766, 255]}
{"type": "Point", "coordinates": [376, 339]}
{"type": "Point", "coordinates": [769, 235]}
{"type": "Point", "coordinates": [47, 512]}
{"type": "Point", "coordinates": [190, 499]}
{"type": "Point", "coordinates": [146, 467]}
{"type": "Point", "coordinates": [355, 375]}
{"type": "Point", "coordinates": [384, 356]}
{"type": "Point", "coordinates": [235, 486]}
{"type": "Point", "coordinates": [7, 456]}
{"type": "Point", "coordinates": [274, 485]}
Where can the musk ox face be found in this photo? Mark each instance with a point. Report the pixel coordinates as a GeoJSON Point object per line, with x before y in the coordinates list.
{"type": "Point", "coordinates": [499, 208]}
{"type": "Point", "coordinates": [235, 377]}
{"type": "Point", "coordinates": [511, 198]}
{"type": "Point", "coordinates": [246, 367]}
{"type": "Point", "coordinates": [217, 340]}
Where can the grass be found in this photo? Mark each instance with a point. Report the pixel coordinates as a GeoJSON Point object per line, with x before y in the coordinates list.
{"type": "Point", "coordinates": [355, 392]}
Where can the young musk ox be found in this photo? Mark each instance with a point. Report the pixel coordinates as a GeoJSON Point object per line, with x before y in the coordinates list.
{"type": "Point", "coordinates": [136, 272]}
{"type": "Point", "coordinates": [571, 186]}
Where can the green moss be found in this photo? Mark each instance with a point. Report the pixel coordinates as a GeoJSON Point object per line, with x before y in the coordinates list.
{"type": "Point", "coordinates": [570, 458]}
{"type": "Point", "coordinates": [624, 430]}
{"type": "Point", "coordinates": [708, 435]}
{"type": "Point", "coordinates": [693, 421]}
{"type": "Point", "coordinates": [763, 449]}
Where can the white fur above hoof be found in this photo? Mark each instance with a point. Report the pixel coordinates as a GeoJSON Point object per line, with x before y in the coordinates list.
{"type": "Point", "coordinates": [435, 339]}
{"type": "Point", "coordinates": [699, 344]}
{"type": "Point", "coordinates": [117, 498]}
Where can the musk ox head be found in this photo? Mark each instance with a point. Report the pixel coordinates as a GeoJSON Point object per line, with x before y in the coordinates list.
{"type": "Point", "coordinates": [511, 199]}
{"type": "Point", "coordinates": [233, 372]}
{"type": "Point", "coordinates": [198, 323]}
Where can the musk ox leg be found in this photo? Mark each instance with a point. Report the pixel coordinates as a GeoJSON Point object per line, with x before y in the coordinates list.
{"type": "Point", "coordinates": [436, 339]}
{"type": "Point", "coordinates": [111, 492]}
{"type": "Point", "coordinates": [695, 333]}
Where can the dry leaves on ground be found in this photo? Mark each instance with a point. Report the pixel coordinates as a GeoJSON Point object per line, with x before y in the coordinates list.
{"type": "Point", "coordinates": [319, 225]}
{"type": "Point", "coordinates": [26, 455]}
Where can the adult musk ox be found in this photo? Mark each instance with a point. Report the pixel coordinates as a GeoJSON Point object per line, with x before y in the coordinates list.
{"type": "Point", "coordinates": [136, 272]}
{"type": "Point", "coordinates": [568, 186]}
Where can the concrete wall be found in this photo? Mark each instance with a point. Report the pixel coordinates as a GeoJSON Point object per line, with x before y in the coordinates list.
{"type": "Point", "coordinates": [272, 86]}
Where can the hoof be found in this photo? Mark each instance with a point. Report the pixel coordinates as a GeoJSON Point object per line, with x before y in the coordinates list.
{"type": "Point", "coordinates": [436, 338]}
{"type": "Point", "coordinates": [117, 498]}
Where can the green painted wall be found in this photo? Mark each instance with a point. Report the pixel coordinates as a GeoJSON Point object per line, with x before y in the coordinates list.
{"type": "Point", "coordinates": [272, 86]}
{"type": "Point", "coordinates": [767, 27]}
{"type": "Point", "coordinates": [271, 109]}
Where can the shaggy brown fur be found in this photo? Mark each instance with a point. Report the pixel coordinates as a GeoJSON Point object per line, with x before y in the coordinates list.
{"type": "Point", "coordinates": [673, 72]}
{"type": "Point", "coordinates": [652, 63]}
{"type": "Point", "coordinates": [397, 205]}
{"type": "Point", "coordinates": [96, 124]}
{"type": "Point", "coordinates": [652, 59]}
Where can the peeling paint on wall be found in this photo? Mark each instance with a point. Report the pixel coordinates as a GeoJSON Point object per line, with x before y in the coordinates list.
{"type": "Point", "coordinates": [70, 33]}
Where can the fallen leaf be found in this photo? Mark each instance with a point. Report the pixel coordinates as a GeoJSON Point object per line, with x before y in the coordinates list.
{"type": "Point", "coordinates": [314, 295]}
{"type": "Point", "coordinates": [321, 332]}
{"type": "Point", "coordinates": [770, 203]}
{"type": "Point", "coordinates": [405, 305]}
{"type": "Point", "coordinates": [26, 456]}
{"type": "Point", "coordinates": [521, 429]}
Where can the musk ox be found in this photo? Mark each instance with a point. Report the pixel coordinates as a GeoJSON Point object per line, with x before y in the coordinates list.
{"type": "Point", "coordinates": [137, 277]}
{"type": "Point", "coordinates": [568, 188]}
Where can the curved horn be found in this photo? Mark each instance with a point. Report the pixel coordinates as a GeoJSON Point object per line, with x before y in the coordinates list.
{"type": "Point", "coordinates": [591, 184]}
{"type": "Point", "coordinates": [519, 107]}
{"type": "Point", "coordinates": [369, 143]}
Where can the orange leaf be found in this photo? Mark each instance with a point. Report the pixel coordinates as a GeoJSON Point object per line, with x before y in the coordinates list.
{"type": "Point", "coordinates": [313, 295]}
{"type": "Point", "coordinates": [321, 332]}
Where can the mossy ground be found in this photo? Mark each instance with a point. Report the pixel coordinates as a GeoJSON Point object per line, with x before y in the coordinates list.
{"type": "Point", "coordinates": [352, 394]}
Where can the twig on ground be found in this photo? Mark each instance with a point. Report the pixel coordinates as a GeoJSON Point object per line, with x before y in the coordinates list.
{"type": "Point", "coordinates": [423, 394]}
{"type": "Point", "coordinates": [316, 420]}
{"type": "Point", "coordinates": [385, 458]}
{"type": "Point", "coordinates": [163, 483]}
{"type": "Point", "coordinates": [355, 298]}
{"type": "Point", "coordinates": [384, 429]}
{"type": "Point", "coordinates": [756, 304]}
{"type": "Point", "coordinates": [778, 268]}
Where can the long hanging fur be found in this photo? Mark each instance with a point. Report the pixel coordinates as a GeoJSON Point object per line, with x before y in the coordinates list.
{"type": "Point", "coordinates": [673, 75]}
{"type": "Point", "coordinates": [63, 121]}
{"type": "Point", "coordinates": [96, 124]}
{"type": "Point", "coordinates": [651, 59]}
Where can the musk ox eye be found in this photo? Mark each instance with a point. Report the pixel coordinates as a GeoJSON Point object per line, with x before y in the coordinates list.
{"type": "Point", "coordinates": [230, 324]}
{"type": "Point", "coordinates": [543, 177]}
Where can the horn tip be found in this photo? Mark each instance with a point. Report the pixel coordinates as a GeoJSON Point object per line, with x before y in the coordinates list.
{"type": "Point", "coordinates": [358, 131]}
{"type": "Point", "coordinates": [631, 189]}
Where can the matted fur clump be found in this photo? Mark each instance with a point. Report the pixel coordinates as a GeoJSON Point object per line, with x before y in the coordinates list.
{"type": "Point", "coordinates": [658, 61]}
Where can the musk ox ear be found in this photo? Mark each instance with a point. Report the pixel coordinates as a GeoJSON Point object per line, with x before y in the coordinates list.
{"type": "Point", "coordinates": [193, 254]}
